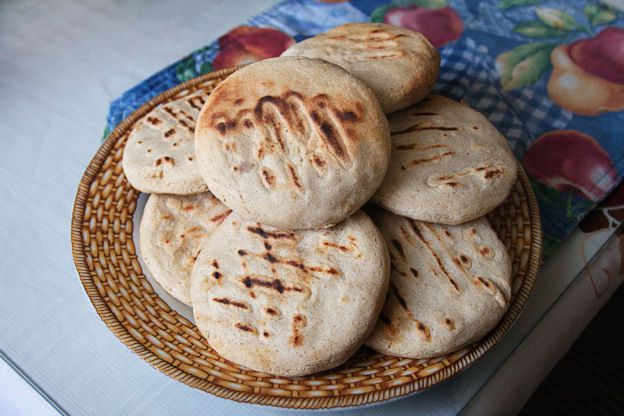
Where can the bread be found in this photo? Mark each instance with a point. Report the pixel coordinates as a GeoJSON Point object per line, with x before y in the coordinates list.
{"type": "Point", "coordinates": [399, 65]}
{"type": "Point", "coordinates": [449, 164]}
{"type": "Point", "coordinates": [289, 303]}
{"type": "Point", "coordinates": [159, 156]}
{"type": "Point", "coordinates": [449, 286]}
{"type": "Point", "coordinates": [294, 143]}
{"type": "Point", "coordinates": [173, 229]}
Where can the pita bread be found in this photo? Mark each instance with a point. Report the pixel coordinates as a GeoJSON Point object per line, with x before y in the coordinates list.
{"type": "Point", "coordinates": [399, 65]}
{"type": "Point", "coordinates": [159, 156]}
{"type": "Point", "coordinates": [173, 230]}
{"type": "Point", "coordinates": [294, 143]}
{"type": "Point", "coordinates": [290, 303]}
{"type": "Point", "coordinates": [449, 286]}
{"type": "Point", "coordinates": [449, 163]}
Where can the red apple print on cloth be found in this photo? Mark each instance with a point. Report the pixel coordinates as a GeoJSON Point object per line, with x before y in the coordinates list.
{"type": "Point", "coordinates": [588, 75]}
{"type": "Point", "coordinates": [246, 44]}
{"type": "Point", "coordinates": [609, 214]}
{"type": "Point", "coordinates": [570, 160]}
{"type": "Point", "coordinates": [440, 26]}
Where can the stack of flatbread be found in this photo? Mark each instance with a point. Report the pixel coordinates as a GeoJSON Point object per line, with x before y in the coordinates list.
{"type": "Point", "coordinates": [255, 214]}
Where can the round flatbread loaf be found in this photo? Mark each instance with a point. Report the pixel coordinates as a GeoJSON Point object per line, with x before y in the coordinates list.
{"type": "Point", "coordinates": [159, 156]}
{"type": "Point", "coordinates": [294, 143]}
{"type": "Point", "coordinates": [173, 230]}
{"type": "Point", "coordinates": [290, 303]}
{"type": "Point", "coordinates": [449, 286]}
{"type": "Point", "coordinates": [399, 65]}
{"type": "Point", "coordinates": [449, 164]}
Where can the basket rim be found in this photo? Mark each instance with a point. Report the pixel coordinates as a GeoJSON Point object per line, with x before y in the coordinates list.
{"type": "Point", "coordinates": [309, 403]}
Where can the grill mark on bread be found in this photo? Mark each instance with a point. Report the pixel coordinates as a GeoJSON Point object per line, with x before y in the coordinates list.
{"type": "Point", "coordinates": [397, 295]}
{"type": "Point", "coordinates": [294, 176]}
{"type": "Point", "coordinates": [414, 146]}
{"type": "Point", "coordinates": [432, 158]}
{"type": "Point", "coordinates": [196, 102]}
{"type": "Point", "coordinates": [154, 121]}
{"type": "Point", "coordinates": [164, 159]}
{"type": "Point", "coordinates": [181, 121]}
{"type": "Point", "coordinates": [220, 217]}
{"type": "Point", "coordinates": [419, 127]}
{"type": "Point", "coordinates": [229, 302]}
{"type": "Point", "coordinates": [418, 232]}
{"type": "Point", "coordinates": [299, 322]}
{"type": "Point", "coordinates": [375, 45]}
{"type": "Point", "coordinates": [443, 180]}
{"type": "Point", "coordinates": [271, 311]}
{"type": "Point", "coordinates": [425, 113]}
{"type": "Point", "coordinates": [414, 272]}
{"type": "Point", "coordinates": [275, 284]}
{"type": "Point", "coordinates": [246, 328]}
{"type": "Point", "coordinates": [449, 324]}
{"type": "Point", "coordinates": [269, 234]}
{"type": "Point", "coordinates": [491, 288]}
{"type": "Point", "coordinates": [268, 177]}
{"type": "Point", "coordinates": [397, 245]}
{"type": "Point", "coordinates": [298, 264]}
{"type": "Point", "coordinates": [423, 330]}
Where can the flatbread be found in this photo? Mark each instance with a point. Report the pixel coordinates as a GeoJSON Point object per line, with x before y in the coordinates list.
{"type": "Point", "coordinates": [159, 156]}
{"type": "Point", "coordinates": [449, 286]}
{"type": "Point", "coordinates": [290, 303]}
{"type": "Point", "coordinates": [449, 164]}
{"type": "Point", "coordinates": [294, 143]}
{"type": "Point", "coordinates": [173, 230]}
{"type": "Point", "coordinates": [399, 65]}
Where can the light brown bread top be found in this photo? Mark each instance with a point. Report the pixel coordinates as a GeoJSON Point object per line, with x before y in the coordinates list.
{"type": "Point", "coordinates": [399, 65]}
{"type": "Point", "coordinates": [159, 156]}
{"type": "Point", "coordinates": [294, 143]}
{"type": "Point", "coordinates": [449, 286]}
{"type": "Point", "coordinates": [290, 303]}
{"type": "Point", "coordinates": [173, 230]}
{"type": "Point", "coordinates": [449, 164]}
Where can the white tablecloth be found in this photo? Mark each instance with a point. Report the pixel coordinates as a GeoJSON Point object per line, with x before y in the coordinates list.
{"type": "Point", "coordinates": [61, 63]}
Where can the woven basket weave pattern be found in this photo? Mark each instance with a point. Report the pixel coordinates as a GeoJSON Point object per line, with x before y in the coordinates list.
{"type": "Point", "coordinates": [106, 259]}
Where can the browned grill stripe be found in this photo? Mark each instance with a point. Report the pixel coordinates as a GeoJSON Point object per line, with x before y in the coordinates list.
{"type": "Point", "coordinates": [246, 328]}
{"type": "Point", "coordinates": [425, 113]}
{"type": "Point", "coordinates": [293, 175]}
{"type": "Point", "coordinates": [299, 322]}
{"type": "Point", "coordinates": [411, 146]}
{"type": "Point", "coordinates": [220, 217]}
{"type": "Point", "coordinates": [226, 301]}
{"type": "Point", "coordinates": [418, 127]}
{"type": "Point", "coordinates": [268, 176]}
{"type": "Point", "coordinates": [275, 284]}
{"type": "Point", "coordinates": [423, 330]}
{"type": "Point", "coordinates": [397, 245]}
{"type": "Point", "coordinates": [422, 239]}
{"type": "Point", "coordinates": [196, 102]}
{"type": "Point", "coordinates": [268, 234]}
{"type": "Point", "coordinates": [401, 299]}
{"type": "Point", "coordinates": [431, 159]}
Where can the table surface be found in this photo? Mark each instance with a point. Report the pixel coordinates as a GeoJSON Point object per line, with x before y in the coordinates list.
{"type": "Point", "coordinates": [61, 64]}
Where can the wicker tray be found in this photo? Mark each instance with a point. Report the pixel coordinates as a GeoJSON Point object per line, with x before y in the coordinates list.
{"type": "Point", "coordinates": [106, 258]}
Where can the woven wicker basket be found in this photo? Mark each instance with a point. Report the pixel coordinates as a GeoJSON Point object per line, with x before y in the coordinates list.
{"type": "Point", "coordinates": [106, 259]}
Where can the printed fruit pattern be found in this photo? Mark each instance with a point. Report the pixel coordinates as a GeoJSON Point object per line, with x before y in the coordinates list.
{"type": "Point", "coordinates": [433, 18]}
{"type": "Point", "coordinates": [587, 75]}
{"type": "Point", "coordinates": [246, 44]}
{"type": "Point", "coordinates": [569, 160]}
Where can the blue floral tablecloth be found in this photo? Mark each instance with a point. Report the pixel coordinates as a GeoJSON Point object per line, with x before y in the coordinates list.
{"type": "Point", "coordinates": [548, 74]}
